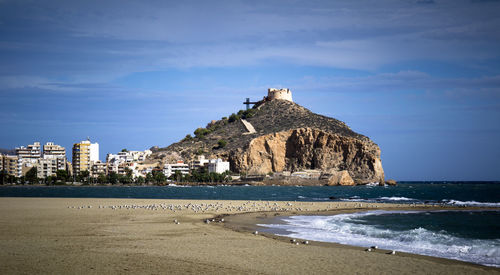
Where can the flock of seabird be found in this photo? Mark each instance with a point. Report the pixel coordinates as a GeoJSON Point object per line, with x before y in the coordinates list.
{"type": "Point", "coordinates": [249, 206]}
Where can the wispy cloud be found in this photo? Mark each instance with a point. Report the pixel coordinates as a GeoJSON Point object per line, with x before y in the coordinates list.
{"type": "Point", "coordinates": [97, 40]}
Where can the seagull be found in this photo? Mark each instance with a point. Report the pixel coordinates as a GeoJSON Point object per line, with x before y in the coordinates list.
{"type": "Point", "coordinates": [256, 232]}
{"type": "Point", "coordinates": [392, 252]}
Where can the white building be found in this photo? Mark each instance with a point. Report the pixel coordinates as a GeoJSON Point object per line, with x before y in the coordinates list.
{"type": "Point", "coordinates": [170, 169]}
{"type": "Point", "coordinates": [140, 155]}
{"type": "Point", "coordinates": [128, 156]}
{"type": "Point", "coordinates": [94, 152]}
{"type": "Point", "coordinates": [218, 166]}
{"type": "Point", "coordinates": [51, 149]}
{"type": "Point", "coordinates": [199, 163]}
{"type": "Point", "coordinates": [55, 152]}
{"type": "Point", "coordinates": [30, 153]}
{"type": "Point", "coordinates": [121, 157]}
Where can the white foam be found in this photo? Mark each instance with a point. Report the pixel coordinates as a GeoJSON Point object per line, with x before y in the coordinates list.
{"type": "Point", "coordinates": [343, 229]}
{"type": "Point", "coordinates": [175, 185]}
{"type": "Point", "coordinates": [396, 198]}
{"type": "Point", "coordinates": [473, 203]}
{"type": "Point", "coordinates": [356, 200]}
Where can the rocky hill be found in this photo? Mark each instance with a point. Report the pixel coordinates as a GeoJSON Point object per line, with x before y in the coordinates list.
{"type": "Point", "coordinates": [287, 137]}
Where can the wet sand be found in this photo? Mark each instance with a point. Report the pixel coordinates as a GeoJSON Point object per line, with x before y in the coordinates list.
{"type": "Point", "coordinates": [60, 236]}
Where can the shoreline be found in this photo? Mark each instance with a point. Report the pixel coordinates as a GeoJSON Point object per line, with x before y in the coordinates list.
{"type": "Point", "coordinates": [249, 223]}
{"type": "Point", "coordinates": [47, 235]}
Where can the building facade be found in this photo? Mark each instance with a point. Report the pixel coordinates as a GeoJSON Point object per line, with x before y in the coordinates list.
{"type": "Point", "coordinates": [30, 153]}
{"type": "Point", "coordinates": [199, 163]}
{"type": "Point", "coordinates": [170, 169]}
{"type": "Point", "coordinates": [97, 168]}
{"type": "Point", "coordinates": [83, 153]}
{"type": "Point", "coordinates": [47, 167]}
{"type": "Point", "coordinates": [94, 151]}
{"type": "Point", "coordinates": [55, 152]}
{"type": "Point", "coordinates": [51, 149]}
{"type": "Point", "coordinates": [12, 165]}
{"type": "Point", "coordinates": [218, 166]}
{"type": "Point", "coordinates": [128, 156]}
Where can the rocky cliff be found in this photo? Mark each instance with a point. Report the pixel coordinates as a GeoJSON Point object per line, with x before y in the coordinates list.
{"type": "Point", "coordinates": [287, 137]}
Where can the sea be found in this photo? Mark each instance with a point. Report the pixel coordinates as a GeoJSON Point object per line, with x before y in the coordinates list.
{"type": "Point", "coordinates": [466, 235]}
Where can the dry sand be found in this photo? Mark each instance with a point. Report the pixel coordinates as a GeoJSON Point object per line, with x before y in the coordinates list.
{"type": "Point", "coordinates": [65, 236]}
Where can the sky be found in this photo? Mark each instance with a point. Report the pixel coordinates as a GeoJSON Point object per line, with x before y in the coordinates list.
{"type": "Point", "coordinates": [421, 78]}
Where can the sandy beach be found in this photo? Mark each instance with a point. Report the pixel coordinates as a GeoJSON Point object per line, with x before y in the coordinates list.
{"type": "Point", "coordinates": [96, 236]}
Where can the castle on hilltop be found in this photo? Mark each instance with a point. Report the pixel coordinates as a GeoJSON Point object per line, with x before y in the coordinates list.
{"type": "Point", "coordinates": [284, 94]}
{"type": "Point", "coordinates": [272, 94]}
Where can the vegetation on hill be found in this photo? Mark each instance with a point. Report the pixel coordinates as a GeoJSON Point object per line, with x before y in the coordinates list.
{"type": "Point", "coordinates": [268, 117]}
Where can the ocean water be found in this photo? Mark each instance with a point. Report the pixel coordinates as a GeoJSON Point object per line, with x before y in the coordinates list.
{"type": "Point", "coordinates": [472, 236]}
{"type": "Point", "coordinates": [452, 193]}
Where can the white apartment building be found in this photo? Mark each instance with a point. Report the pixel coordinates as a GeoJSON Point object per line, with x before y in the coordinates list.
{"type": "Point", "coordinates": [94, 151]}
{"type": "Point", "coordinates": [121, 157]}
{"type": "Point", "coordinates": [199, 163]}
{"type": "Point", "coordinates": [51, 149]}
{"type": "Point", "coordinates": [218, 166]}
{"type": "Point", "coordinates": [57, 152]}
{"type": "Point", "coordinates": [128, 156]}
{"type": "Point", "coordinates": [30, 153]}
{"type": "Point", "coordinates": [170, 169]}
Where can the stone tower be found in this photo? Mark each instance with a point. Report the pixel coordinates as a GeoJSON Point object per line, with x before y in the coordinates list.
{"type": "Point", "coordinates": [284, 94]}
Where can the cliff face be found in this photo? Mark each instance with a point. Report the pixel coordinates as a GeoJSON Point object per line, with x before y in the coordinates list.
{"type": "Point", "coordinates": [307, 148]}
{"type": "Point", "coordinates": [287, 137]}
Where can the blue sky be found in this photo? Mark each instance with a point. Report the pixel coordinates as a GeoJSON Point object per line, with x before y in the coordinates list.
{"type": "Point", "coordinates": [420, 78]}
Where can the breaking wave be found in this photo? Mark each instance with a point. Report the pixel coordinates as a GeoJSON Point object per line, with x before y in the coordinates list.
{"type": "Point", "coordinates": [353, 229]}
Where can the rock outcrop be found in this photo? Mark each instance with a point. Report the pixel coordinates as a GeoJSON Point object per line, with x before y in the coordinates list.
{"type": "Point", "coordinates": [341, 178]}
{"type": "Point", "coordinates": [287, 137]}
{"type": "Point", "coordinates": [307, 148]}
{"type": "Point", "coordinates": [391, 182]}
